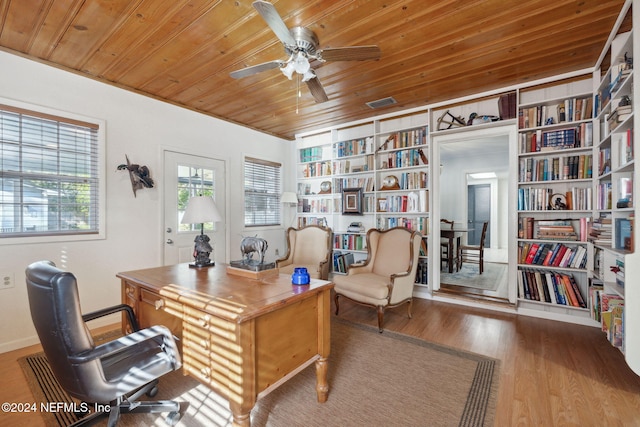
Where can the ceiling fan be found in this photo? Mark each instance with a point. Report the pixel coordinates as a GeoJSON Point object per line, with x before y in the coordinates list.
{"type": "Point", "coordinates": [301, 46]}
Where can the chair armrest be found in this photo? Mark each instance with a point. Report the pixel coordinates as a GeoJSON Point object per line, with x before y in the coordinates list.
{"type": "Point", "coordinates": [127, 341]}
{"type": "Point", "coordinates": [133, 322]}
{"type": "Point", "coordinates": [283, 262]}
{"type": "Point", "coordinates": [359, 267]}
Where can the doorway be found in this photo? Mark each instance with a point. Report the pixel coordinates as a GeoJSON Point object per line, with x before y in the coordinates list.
{"type": "Point", "coordinates": [185, 176]}
{"type": "Point", "coordinates": [478, 212]}
{"type": "Point", "coordinates": [474, 187]}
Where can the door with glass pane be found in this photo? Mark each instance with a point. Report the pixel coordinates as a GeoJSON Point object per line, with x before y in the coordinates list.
{"type": "Point", "coordinates": [185, 176]}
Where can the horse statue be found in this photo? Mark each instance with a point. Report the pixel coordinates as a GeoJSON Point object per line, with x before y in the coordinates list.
{"type": "Point", "coordinates": [249, 245]}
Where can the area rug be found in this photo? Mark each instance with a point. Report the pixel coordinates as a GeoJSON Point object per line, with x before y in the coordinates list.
{"type": "Point", "coordinates": [375, 380]}
{"type": "Point", "coordinates": [490, 279]}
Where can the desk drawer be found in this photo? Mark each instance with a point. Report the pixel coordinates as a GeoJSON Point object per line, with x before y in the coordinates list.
{"type": "Point", "coordinates": [155, 310]}
{"type": "Point", "coordinates": [218, 327]}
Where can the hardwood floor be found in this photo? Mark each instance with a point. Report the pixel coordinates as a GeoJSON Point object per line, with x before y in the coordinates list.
{"type": "Point", "coordinates": [551, 373]}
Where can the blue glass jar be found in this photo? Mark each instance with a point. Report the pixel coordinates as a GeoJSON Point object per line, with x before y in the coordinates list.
{"type": "Point", "coordinates": [300, 276]}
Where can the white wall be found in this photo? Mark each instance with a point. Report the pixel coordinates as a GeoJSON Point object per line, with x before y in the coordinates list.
{"type": "Point", "coordinates": [139, 127]}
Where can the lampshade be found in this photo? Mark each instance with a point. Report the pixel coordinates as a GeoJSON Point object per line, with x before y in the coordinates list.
{"type": "Point", "coordinates": [289, 197]}
{"type": "Point", "coordinates": [288, 70]}
{"type": "Point", "coordinates": [308, 76]}
{"type": "Point", "coordinates": [301, 63]}
{"type": "Point", "coordinates": [201, 209]}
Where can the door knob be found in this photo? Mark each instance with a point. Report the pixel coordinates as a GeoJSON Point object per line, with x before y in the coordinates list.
{"type": "Point", "coordinates": [169, 242]}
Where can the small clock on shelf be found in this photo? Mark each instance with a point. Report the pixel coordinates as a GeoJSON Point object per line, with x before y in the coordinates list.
{"type": "Point", "coordinates": [325, 187]}
{"type": "Point", "coordinates": [390, 182]}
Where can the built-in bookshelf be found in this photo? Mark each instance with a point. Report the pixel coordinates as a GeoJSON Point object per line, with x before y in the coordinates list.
{"type": "Point", "coordinates": [555, 196]}
{"type": "Point", "coordinates": [613, 230]}
{"type": "Point", "coordinates": [388, 160]}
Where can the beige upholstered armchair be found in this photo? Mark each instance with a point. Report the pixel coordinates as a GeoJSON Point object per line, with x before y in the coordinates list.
{"type": "Point", "coordinates": [308, 247]}
{"type": "Point", "coordinates": [387, 276]}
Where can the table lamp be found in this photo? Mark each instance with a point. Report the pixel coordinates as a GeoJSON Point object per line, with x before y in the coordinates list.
{"type": "Point", "coordinates": [201, 209]}
{"type": "Point", "coordinates": [289, 198]}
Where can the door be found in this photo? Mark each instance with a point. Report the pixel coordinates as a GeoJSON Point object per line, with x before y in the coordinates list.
{"type": "Point", "coordinates": [479, 212]}
{"type": "Point", "coordinates": [185, 176]}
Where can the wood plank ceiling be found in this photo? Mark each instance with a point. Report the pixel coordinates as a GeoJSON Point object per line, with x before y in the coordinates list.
{"type": "Point", "coordinates": [182, 51]}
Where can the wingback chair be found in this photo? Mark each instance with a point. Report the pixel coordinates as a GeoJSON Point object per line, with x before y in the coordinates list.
{"type": "Point", "coordinates": [308, 247]}
{"type": "Point", "coordinates": [386, 278]}
{"type": "Point", "coordinates": [113, 374]}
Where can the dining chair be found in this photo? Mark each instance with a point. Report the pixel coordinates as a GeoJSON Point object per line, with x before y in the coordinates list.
{"type": "Point", "coordinates": [447, 251]}
{"type": "Point", "coordinates": [474, 253]}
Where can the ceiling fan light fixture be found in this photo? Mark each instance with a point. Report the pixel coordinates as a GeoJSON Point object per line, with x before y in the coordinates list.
{"type": "Point", "coordinates": [308, 76]}
{"type": "Point", "coordinates": [301, 63]}
{"type": "Point", "coordinates": [288, 70]}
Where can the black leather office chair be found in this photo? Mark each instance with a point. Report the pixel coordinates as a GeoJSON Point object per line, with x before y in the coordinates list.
{"type": "Point", "coordinates": [113, 374]}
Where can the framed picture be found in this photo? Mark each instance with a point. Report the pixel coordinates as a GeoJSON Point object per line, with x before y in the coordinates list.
{"type": "Point", "coordinates": [382, 205]}
{"type": "Point", "coordinates": [352, 201]}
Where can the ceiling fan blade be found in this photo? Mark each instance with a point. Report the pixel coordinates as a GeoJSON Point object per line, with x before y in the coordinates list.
{"type": "Point", "coordinates": [273, 19]}
{"type": "Point", "coordinates": [254, 69]}
{"type": "Point", "coordinates": [316, 89]}
{"type": "Point", "coordinates": [352, 53]}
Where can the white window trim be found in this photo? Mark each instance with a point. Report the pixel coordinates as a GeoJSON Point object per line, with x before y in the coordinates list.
{"type": "Point", "coordinates": [253, 228]}
{"type": "Point", "coordinates": [101, 235]}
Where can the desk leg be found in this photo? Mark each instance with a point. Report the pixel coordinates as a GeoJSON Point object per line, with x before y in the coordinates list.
{"type": "Point", "coordinates": [322, 386]}
{"type": "Point", "coordinates": [241, 418]}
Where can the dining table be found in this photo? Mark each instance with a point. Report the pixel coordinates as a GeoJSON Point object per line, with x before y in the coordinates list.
{"type": "Point", "coordinates": [454, 237]}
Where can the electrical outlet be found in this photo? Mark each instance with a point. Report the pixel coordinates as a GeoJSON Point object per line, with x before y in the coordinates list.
{"type": "Point", "coordinates": [7, 281]}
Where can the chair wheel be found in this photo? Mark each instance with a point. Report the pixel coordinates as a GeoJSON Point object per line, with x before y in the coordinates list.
{"type": "Point", "coordinates": [152, 391]}
{"type": "Point", "coordinates": [173, 418]}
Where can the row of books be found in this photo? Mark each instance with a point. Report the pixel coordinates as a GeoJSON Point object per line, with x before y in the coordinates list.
{"type": "Point", "coordinates": [549, 286]}
{"type": "Point", "coordinates": [342, 261]}
{"type": "Point", "coordinates": [422, 273]}
{"type": "Point", "coordinates": [604, 195]}
{"type": "Point", "coordinates": [571, 109]}
{"type": "Point", "coordinates": [316, 169]}
{"type": "Point", "coordinates": [347, 166]}
{"type": "Point", "coordinates": [408, 138]}
{"type": "Point", "coordinates": [352, 242]}
{"type": "Point", "coordinates": [420, 224]}
{"type": "Point", "coordinates": [554, 229]}
{"type": "Point", "coordinates": [413, 180]}
{"type": "Point", "coordinates": [316, 205]}
{"type": "Point", "coordinates": [404, 158]}
{"type": "Point", "coordinates": [311, 154]}
{"type": "Point", "coordinates": [580, 136]}
{"type": "Point", "coordinates": [552, 255]}
{"type": "Point", "coordinates": [608, 309]}
{"type": "Point", "coordinates": [544, 199]}
{"type": "Point", "coordinates": [555, 168]}
{"type": "Point", "coordinates": [353, 147]}
{"type": "Point", "coordinates": [303, 221]}
{"type": "Point", "coordinates": [412, 202]}
{"type": "Point", "coordinates": [366, 183]}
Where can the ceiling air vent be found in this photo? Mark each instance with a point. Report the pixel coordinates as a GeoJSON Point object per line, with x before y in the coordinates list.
{"type": "Point", "coordinates": [382, 102]}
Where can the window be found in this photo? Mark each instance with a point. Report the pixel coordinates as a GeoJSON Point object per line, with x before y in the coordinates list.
{"type": "Point", "coordinates": [49, 175]}
{"type": "Point", "coordinates": [261, 192]}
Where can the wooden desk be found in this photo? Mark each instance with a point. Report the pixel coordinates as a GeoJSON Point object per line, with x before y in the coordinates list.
{"type": "Point", "coordinates": [241, 337]}
{"type": "Point", "coordinates": [452, 235]}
